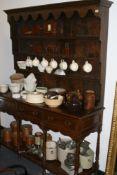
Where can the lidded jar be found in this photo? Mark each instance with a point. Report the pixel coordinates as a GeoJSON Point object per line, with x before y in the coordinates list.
{"type": "Point", "coordinates": [51, 150]}
{"type": "Point", "coordinates": [89, 100]}
{"type": "Point", "coordinates": [7, 135]}
{"type": "Point", "coordinates": [38, 138]}
{"type": "Point", "coordinates": [26, 131]}
{"type": "Point", "coordinates": [15, 138]}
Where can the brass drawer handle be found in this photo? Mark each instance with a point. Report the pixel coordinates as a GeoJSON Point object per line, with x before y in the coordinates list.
{"type": "Point", "coordinates": [68, 123]}
{"type": "Point", "coordinates": [21, 109]}
{"type": "Point", "coordinates": [1, 101]}
{"type": "Point", "coordinates": [35, 113]}
{"type": "Point", "coordinates": [50, 118]}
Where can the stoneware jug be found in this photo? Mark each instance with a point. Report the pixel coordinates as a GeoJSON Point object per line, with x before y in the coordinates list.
{"type": "Point", "coordinates": [74, 66]}
{"type": "Point", "coordinates": [63, 65]}
{"type": "Point", "coordinates": [35, 62]}
{"type": "Point", "coordinates": [44, 62]}
{"type": "Point", "coordinates": [87, 67]}
{"type": "Point", "coordinates": [53, 63]}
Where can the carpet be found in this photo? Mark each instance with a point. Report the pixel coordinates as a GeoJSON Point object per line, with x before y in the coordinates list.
{"type": "Point", "coordinates": [9, 158]}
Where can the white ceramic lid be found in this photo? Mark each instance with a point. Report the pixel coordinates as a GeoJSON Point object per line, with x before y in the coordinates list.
{"type": "Point", "coordinates": [34, 97]}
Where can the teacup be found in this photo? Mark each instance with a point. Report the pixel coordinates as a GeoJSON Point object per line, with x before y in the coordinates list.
{"type": "Point", "coordinates": [3, 88]}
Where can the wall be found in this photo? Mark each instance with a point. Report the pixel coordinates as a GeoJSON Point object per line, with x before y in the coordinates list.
{"type": "Point", "coordinates": [6, 66]}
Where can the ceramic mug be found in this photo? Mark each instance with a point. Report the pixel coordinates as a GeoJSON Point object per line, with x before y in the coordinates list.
{"type": "Point", "coordinates": [3, 88]}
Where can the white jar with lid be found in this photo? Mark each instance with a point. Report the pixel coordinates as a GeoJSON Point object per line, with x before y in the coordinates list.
{"type": "Point", "coordinates": [51, 151]}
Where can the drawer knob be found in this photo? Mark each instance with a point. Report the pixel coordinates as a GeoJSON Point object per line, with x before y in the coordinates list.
{"type": "Point", "coordinates": [35, 113]}
{"type": "Point", "coordinates": [1, 100]}
{"type": "Point", "coordinates": [50, 118]}
{"type": "Point", "coordinates": [21, 109]}
{"type": "Point", "coordinates": [67, 123]}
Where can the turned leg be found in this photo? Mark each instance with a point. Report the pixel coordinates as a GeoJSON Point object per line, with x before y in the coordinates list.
{"type": "Point", "coordinates": [18, 137]}
{"type": "Point", "coordinates": [44, 149]}
{"type": "Point", "coordinates": [77, 161]}
{"type": "Point", "coordinates": [97, 151]}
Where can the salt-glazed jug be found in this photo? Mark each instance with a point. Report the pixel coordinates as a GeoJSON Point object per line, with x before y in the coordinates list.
{"type": "Point", "coordinates": [44, 62]}
{"type": "Point", "coordinates": [74, 66]}
{"type": "Point", "coordinates": [49, 69]}
{"type": "Point", "coordinates": [63, 65]}
{"type": "Point", "coordinates": [53, 63]}
{"type": "Point", "coordinates": [41, 68]}
{"type": "Point", "coordinates": [29, 62]}
{"type": "Point", "coordinates": [87, 67]}
{"type": "Point", "coordinates": [35, 62]}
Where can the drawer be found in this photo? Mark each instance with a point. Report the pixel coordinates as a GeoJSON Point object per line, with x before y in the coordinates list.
{"type": "Point", "coordinates": [29, 112]}
{"type": "Point", "coordinates": [8, 105]}
{"type": "Point", "coordinates": [91, 124]}
{"type": "Point", "coordinates": [60, 122]}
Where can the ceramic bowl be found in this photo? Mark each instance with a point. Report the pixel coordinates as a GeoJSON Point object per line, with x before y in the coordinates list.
{"type": "Point", "coordinates": [42, 90]}
{"type": "Point", "coordinates": [59, 72]}
{"type": "Point", "coordinates": [3, 88]}
{"type": "Point", "coordinates": [60, 91]}
{"type": "Point", "coordinates": [54, 102]}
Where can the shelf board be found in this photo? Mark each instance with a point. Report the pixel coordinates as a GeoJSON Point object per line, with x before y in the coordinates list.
{"type": "Point", "coordinates": [52, 166]}
{"type": "Point", "coordinates": [48, 37]}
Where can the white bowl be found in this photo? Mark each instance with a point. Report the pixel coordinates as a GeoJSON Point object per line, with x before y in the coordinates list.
{"type": "Point", "coordinates": [3, 88]}
{"type": "Point", "coordinates": [42, 90]}
{"type": "Point", "coordinates": [58, 90]}
{"type": "Point", "coordinates": [54, 102]}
